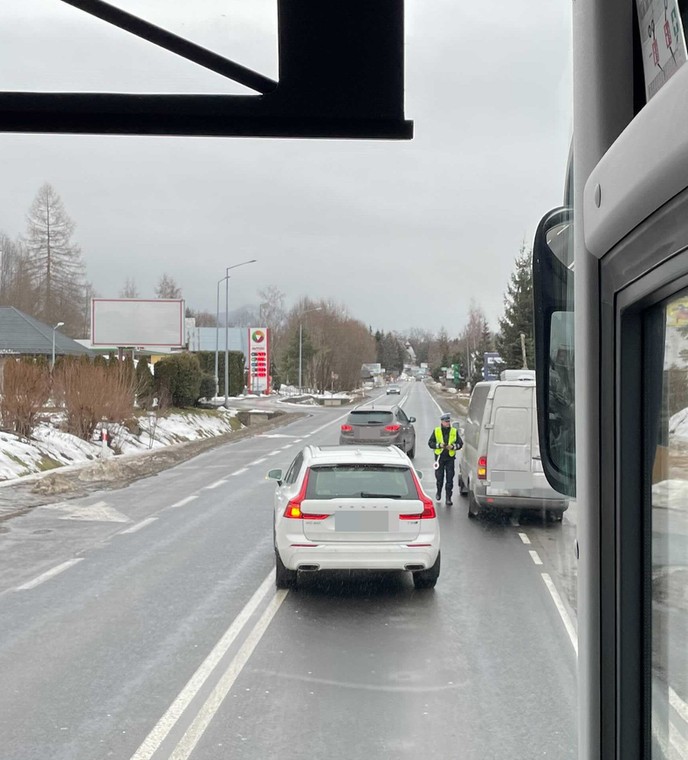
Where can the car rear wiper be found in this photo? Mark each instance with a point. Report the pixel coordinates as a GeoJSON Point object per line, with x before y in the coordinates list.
{"type": "Point", "coordinates": [366, 495]}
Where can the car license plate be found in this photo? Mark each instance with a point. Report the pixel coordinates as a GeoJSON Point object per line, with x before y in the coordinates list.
{"type": "Point", "coordinates": [359, 522]}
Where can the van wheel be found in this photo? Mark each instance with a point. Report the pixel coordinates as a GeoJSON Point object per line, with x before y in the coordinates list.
{"type": "Point", "coordinates": [427, 578]}
{"type": "Point", "coordinates": [554, 516]}
{"type": "Point", "coordinates": [462, 487]}
{"type": "Point", "coordinates": [473, 508]}
{"type": "Point", "coordinates": [283, 578]}
{"type": "Point", "coordinates": [411, 452]}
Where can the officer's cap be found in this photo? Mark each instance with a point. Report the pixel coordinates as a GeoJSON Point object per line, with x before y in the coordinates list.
{"type": "Point", "coordinates": [446, 417]}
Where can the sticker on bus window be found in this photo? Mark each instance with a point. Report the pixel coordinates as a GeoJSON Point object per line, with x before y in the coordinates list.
{"type": "Point", "coordinates": [663, 42]}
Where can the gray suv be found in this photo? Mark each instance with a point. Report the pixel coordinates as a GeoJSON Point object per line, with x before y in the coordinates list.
{"type": "Point", "coordinates": [380, 426]}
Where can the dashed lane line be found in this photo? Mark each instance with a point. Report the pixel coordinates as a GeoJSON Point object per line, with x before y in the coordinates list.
{"type": "Point", "coordinates": [259, 461]}
{"type": "Point", "coordinates": [524, 538]}
{"type": "Point", "coordinates": [49, 574]}
{"type": "Point", "coordinates": [216, 484]}
{"type": "Point", "coordinates": [184, 502]}
{"type": "Point", "coordinates": [138, 526]}
{"type": "Point", "coordinates": [239, 472]}
{"type": "Point", "coordinates": [535, 557]}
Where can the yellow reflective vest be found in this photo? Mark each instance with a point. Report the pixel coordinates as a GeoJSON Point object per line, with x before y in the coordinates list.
{"type": "Point", "coordinates": [439, 440]}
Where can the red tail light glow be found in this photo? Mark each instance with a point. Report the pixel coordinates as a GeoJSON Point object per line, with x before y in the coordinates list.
{"type": "Point", "coordinates": [392, 428]}
{"type": "Point", "coordinates": [428, 512]}
{"type": "Point", "coordinates": [293, 509]}
{"type": "Point", "coordinates": [482, 468]}
{"type": "Point", "coordinates": [346, 428]}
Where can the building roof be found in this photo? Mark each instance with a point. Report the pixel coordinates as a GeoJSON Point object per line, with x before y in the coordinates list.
{"type": "Point", "coordinates": [22, 335]}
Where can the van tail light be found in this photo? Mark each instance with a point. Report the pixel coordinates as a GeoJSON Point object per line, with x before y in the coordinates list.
{"type": "Point", "coordinates": [392, 428]}
{"type": "Point", "coordinates": [293, 510]}
{"type": "Point", "coordinates": [428, 512]}
{"type": "Point", "coordinates": [482, 468]}
{"type": "Point", "coordinates": [346, 429]}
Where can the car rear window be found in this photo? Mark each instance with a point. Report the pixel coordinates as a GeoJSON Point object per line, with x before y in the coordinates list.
{"type": "Point", "coordinates": [370, 417]}
{"type": "Point", "coordinates": [360, 481]}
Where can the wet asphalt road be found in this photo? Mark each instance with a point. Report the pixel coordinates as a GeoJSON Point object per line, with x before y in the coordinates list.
{"type": "Point", "coordinates": [144, 623]}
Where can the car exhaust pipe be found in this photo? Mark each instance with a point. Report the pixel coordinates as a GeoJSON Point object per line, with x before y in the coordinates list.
{"type": "Point", "coordinates": [309, 568]}
{"type": "Point", "coordinates": [414, 567]}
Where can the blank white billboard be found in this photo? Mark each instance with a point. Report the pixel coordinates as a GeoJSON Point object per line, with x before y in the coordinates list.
{"type": "Point", "coordinates": [137, 322]}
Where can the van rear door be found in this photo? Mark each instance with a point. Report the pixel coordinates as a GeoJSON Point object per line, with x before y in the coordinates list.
{"type": "Point", "coordinates": [509, 454]}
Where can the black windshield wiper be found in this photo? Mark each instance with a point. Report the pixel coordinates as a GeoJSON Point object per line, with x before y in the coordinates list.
{"type": "Point", "coordinates": [366, 495]}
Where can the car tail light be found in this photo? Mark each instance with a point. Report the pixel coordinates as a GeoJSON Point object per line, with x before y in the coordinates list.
{"type": "Point", "coordinates": [428, 512]}
{"type": "Point", "coordinates": [293, 510]}
{"type": "Point", "coordinates": [482, 468]}
{"type": "Point", "coordinates": [393, 428]}
{"type": "Point", "coordinates": [346, 428]}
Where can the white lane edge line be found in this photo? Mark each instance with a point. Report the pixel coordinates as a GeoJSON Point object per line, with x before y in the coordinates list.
{"type": "Point", "coordinates": [524, 538]}
{"type": "Point", "coordinates": [561, 609]}
{"type": "Point", "coordinates": [150, 745]}
{"type": "Point", "coordinates": [678, 704]}
{"type": "Point", "coordinates": [239, 472]}
{"type": "Point", "coordinates": [216, 484]}
{"type": "Point", "coordinates": [288, 446]}
{"type": "Point", "coordinates": [273, 453]}
{"type": "Point", "coordinates": [327, 424]}
{"type": "Point", "coordinates": [43, 577]}
{"type": "Point", "coordinates": [184, 502]}
{"type": "Point", "coordinates": [535, 557]}
{"type": "Point", "coordinates": [298, 440]}
{"type": "Point", "coordinates": [207, 712]}
{"type": "Point", "coordinates": [138, 526]}
{"type": "Point", "coordinates": [259, 461]}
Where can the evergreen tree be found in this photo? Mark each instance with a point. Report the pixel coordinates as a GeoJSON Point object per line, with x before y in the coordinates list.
{"type": "Point", "coordinates": [518, 315]}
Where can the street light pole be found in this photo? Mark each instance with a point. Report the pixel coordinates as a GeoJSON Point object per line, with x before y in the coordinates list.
{"type": "Point", "coordinates": [52, 363]}
{"type": "Point", "coordinates": [226, 279]}
{"type": "Point", "coordinates": [217, 338]}
{"type": "Point", "coordinates": [308, 311]}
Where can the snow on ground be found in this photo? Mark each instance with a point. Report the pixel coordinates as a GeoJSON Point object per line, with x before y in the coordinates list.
{"type": "Point", "coordinates": [50, 447]}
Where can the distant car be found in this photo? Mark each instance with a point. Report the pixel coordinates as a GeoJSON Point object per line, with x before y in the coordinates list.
{"type": "Point", "coordinates": [380, 426]}
{"type": "Point", "coordinates": [393, 389]}
{"type": "Point", "coordinates": [345, 508]}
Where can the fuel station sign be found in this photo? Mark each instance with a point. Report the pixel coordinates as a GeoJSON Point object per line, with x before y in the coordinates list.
{"type": "Point", "coordinates": [258, 360]}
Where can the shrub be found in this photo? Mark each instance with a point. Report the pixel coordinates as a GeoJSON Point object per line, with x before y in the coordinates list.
{"type": "Point", "coordinates": [236, 369]}
{"type": "Point", "coordinates": [179, 377]}
{"type": "Point", "coordinates": [145, 386]}
{"type": "Point", "coordinates": [207, 386]}
{"type": "Point", "coordinates": [25, 390]}
{"type": "Point", "coordinates": [91, 392]}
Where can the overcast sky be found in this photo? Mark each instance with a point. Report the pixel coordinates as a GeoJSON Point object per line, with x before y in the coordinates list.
{"type": "Point", "coordinates": [404, 234]}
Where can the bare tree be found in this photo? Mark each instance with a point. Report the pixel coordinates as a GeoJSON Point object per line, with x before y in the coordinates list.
{"type": "Point", "coordinates": [25, 390]}
{"type": "Point", "coordinates": [167, 288]}
{"type": "Point", "coordinates": [55, 261]}
{"type": "Point", "coordinates": [203, 318]}
{"type": "Point", "coordinates": [16, 283]}
{"type": "Point", "coordinates": [129, 290]}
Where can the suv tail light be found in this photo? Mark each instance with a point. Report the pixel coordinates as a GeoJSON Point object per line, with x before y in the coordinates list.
{"type": "Point", "coordinates": [346, 428]}
{"type": "Point", "coordinates": [482, 468]}
{"type": "Point", "coordinates": [428, 506]}
{"type": "Point", "coordinates": [392, 428]}
{"type": "Point", "coordinates": [293, 510]}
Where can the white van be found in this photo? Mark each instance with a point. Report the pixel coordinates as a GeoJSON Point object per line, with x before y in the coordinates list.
{"type": "Point", "coordinates": [499, 465]}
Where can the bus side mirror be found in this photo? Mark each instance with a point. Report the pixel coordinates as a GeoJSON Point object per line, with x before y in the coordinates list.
{"type": "Point", "coordinates": [553, 268]}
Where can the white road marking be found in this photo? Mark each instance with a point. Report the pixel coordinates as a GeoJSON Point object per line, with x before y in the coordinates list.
{"type": "Point", "coordinates": [678, 704]}
{"type": "Point", "coordinates": [216, 484]}
{"type": "Point", "coordinates": [288, 446]}
{"type": "Point", "coordinates": [48, 574]}
{"type": "Point", "coordinates": [184, 502]}
{"type": "Point", "coordinates": [327, 424]}
{"type": "Point", "coordinates": [259, 461]}
{"type": "Point", "coordinates": [239, 472]}
{"type": "Point", "coordinates": [524, 538]}
{"type": "Point", "coordinates": [155, 738]}
{"type": "Point", "coordinates": [535, 557]}
{"type": "Point", "coordinates": [98, 512]}
{"type": "Point", "coordinates": [298, 440]}
{"type": "Point", "coordinates": [273, 453]}
{"type": "Point", "coordinates": [196, 730]}
{"type": "Point", "coordinates": [138, 526]}
{"type": "Point", "coordinates": [561, 609]}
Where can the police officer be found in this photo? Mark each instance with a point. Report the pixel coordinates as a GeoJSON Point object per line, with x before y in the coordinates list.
{"type": "Point", "coordinates": [445, 441]}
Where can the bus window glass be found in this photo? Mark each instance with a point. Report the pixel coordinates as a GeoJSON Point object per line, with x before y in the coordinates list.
{"type": "Point", "coordinates": [667, 424]}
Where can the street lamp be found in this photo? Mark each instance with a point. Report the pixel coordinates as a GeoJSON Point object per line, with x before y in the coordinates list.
{"type": "Point", "coordinates": [308, 311]}
{"type": "Point", "coordinates": [52, 363]}
{"type": "Point", "coordinates": [224, 279]}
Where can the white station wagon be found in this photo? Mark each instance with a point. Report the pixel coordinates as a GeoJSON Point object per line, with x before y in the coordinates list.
{"type": "Point", "coordinates": [354, 508]}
